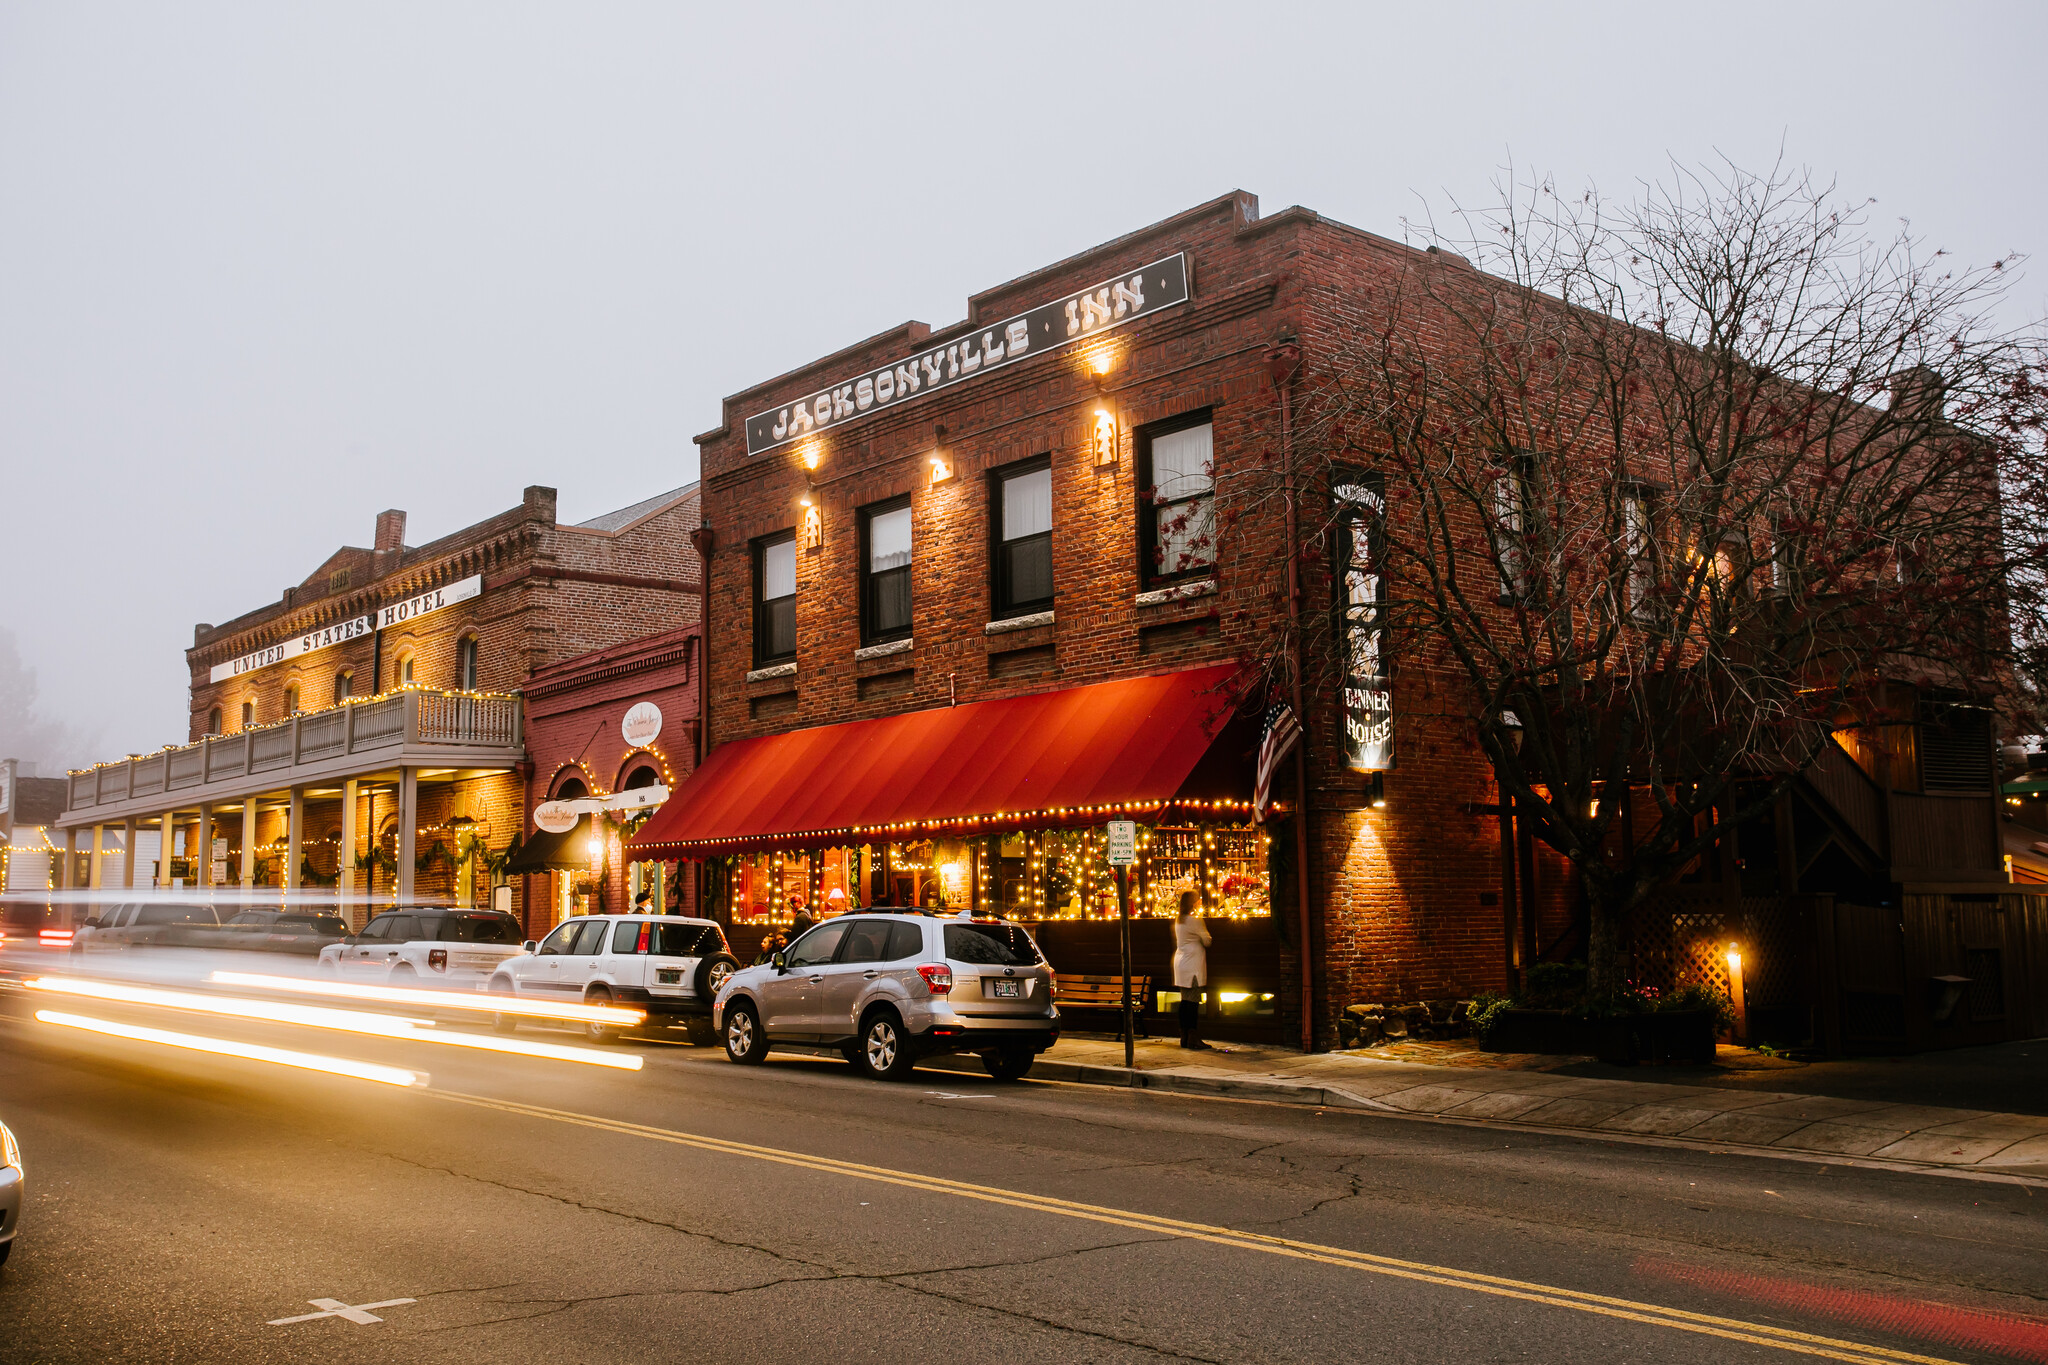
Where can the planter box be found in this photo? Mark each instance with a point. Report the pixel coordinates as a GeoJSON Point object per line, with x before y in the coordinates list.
{"type": "Point", "coordinates": [1670, 1036]}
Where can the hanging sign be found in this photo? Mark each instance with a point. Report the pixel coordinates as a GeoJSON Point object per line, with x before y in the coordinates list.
{"type": "Point", "coordinates": [1090, 312]}
{"type": "Point", "coordinates": [1362, 605]}
{"type": "Point", "coordinates": [294, 647]}
{"type": "Point", "coordinates": [642, 724]}
{"type": "Point", "coordinates": [421, 604]}
{"type": "Point", "coordinates": [1123, 843]}
{"type": "Point", "coordinates": [555, 817]}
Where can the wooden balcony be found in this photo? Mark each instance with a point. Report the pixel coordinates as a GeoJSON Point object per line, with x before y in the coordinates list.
{"type": "Point", "coordinates": [411, 729]}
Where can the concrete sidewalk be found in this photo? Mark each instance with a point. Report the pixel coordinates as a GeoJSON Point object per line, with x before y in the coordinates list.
{"type": "Point", "coordinates": [1510, 1090]}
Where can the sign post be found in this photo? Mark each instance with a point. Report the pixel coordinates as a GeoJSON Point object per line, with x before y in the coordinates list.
{"type": "Point", "coordinates": [1123, 851]}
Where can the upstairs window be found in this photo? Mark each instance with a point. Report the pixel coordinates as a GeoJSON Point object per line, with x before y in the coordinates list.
{"type": "Point", "coordinates": [344, 686]}
{"type": "Point", "coordinates": [213, 721]}
{"type": "Point", "coordinates": [1511, 529]}
{"type": "Point", "coordinates": [775, 599]}
{"type": "Point", "coordinates": [1022, 523]}
{"type": "Point", "coordinates": [465, 663]}
{"type": "Point", "coordinates": [1177, 509]}
{"type": "Point", "coordinates": [1639, 544]}
{"type": "Point", "coordinates": [291, 700]}
{"type": "Point", "coordinates": [405, 668]}
{"type": "Point", "coordinates": [248, 714]}
{"type": "Point", "coordinates": [885, 572]}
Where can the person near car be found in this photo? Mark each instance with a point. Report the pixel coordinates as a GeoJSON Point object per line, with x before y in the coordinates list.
{"type": "Point", "coordinates": [771, 944]}
{"type": "Point", "coordinates": [1190, 970]}
{"type": "Point", "coordinates": [643, 904]}
{"type": "Point", "coordinates": [799, 920]}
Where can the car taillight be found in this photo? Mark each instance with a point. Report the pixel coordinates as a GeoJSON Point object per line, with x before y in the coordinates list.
{"type": "Point", "coordinates": [437, 958]}
{"type": "Point", "coordinates": [1052, 987]}
{"type": "Point", "coordinates": [938, 977]}
{"type": "Point", "coordinates": [55, 938]}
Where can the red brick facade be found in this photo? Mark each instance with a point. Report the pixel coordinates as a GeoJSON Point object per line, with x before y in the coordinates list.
{"type": "Point", "coordinates": [1405, 898]}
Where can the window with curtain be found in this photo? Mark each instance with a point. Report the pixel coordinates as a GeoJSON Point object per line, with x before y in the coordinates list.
{"type": "Point", "coordinates": [775, 598]}
{"type": "Point", "coordinates": [1023, 538]}
{"type": "Point", "coordinates": [885, 572]}
{"type": "Point", "coordinates": [465, 663]}
{"type": "Point", "coordinates": [1177, 506]}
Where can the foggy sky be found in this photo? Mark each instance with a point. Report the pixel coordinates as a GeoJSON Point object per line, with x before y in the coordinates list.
{"type": "Point", "coordinates": [268, 269]}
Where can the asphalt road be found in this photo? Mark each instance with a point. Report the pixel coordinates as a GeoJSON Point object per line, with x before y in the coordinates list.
{"type": "Point", "coordinates": [543, 1211]}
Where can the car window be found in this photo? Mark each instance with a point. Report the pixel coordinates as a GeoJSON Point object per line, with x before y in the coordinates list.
{"type": "Point", "coordinates": [176, 914]}
{"type": "Point", "coordinates": [993, 945]}
{"type": "Point", "coordinates": [817, 946]}
{"type": "Point", "coordinates": [591, 941]}
{"type": "Point", "coordinates": [686, 940]}
{"type": "Point", "coordinates": [629, 936]}
{"type": "Point", "coordinates": [250, 917]}
{"type": "Point", "coordinates": [905, 940]}
{"type": "Point", "coordinates": [557, 943]}
{"type": "Point", "coordinates": [327, 924]}
{"type": "Point", "coordinates": [379, 927]}
{"type": "Point", "coordinates": [484, 927]}
{"type": "Point", "coordinates": [867, 940]}
{"type": "Point", "coordinates": [404, 929]}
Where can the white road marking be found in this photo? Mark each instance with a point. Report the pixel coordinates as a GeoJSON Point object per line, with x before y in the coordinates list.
{"type": "Point", "coordinates": [949, 1095]}
{"type": "Point", "coordinates": [335, 1308]}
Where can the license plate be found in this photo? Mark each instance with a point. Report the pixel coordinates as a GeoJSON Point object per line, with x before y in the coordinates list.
{"type": "Point", "coordinates": [668, 976]}
{"type": "Point", "coordinates": [1009, 989]}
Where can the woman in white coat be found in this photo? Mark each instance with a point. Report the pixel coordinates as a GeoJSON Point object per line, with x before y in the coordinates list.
{"type": "Point", "coordinates": [1190, 969]}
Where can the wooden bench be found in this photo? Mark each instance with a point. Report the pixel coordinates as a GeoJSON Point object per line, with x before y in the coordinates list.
{"type": "Point", "coordinates": [1100, 992]}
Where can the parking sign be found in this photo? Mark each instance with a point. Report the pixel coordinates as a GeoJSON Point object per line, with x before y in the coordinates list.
{"type": "Point", "coordinates": [1123, 843]}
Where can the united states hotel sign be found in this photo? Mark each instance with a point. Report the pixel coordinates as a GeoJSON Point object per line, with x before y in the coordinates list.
{"type": "Point", "coordinates": [1076, 317]}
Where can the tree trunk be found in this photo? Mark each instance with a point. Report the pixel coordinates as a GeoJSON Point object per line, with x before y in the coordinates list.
{"type": "Point", "coordinates": [1606, 945]}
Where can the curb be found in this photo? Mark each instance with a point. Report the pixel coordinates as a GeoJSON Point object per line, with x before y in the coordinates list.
{"type": "Point", "coordinates": [1321, 1097]}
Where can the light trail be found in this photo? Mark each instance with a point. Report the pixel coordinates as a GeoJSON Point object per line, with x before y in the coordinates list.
{"type": "Point", "coordinates": [306, 1061]}
{"type": "Point", "coordinates": [317, 1016]}
{"type": "Point", "coordinates": [448, 1000]}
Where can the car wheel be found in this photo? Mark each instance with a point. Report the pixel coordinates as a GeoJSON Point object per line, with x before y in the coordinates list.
{"type": "Point", "coordinates": [712, 974]}
{"type": "Point", "coordinates": [503, 1023]}
{"type": "Point", "coordinates": [885, 1047]}
{"type": "Point", "coordinates": [1008, 1063]}
{"type": "Point", "coordinates": [699, 1031]}
{"type": "Point", "coordinates": [328, 967]}
{"type": "Point", "coordinates": [6, 1247]}
{"type": "Point", "coordinates": [745, 1040]}
{"type": "Point", "coordinates": [594, 1031]}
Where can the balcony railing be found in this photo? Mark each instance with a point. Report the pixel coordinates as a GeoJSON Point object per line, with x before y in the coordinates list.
{"type": "Point", "coordinates": [377, 731]}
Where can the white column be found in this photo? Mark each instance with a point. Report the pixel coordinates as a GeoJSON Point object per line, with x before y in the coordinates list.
{"type": "Point", "coordinates": [167, 845]}
{"type": "Point", "coordinates": [92, 876]}
{"type": "Point", "coordinates": [345, 887]}
{"type": "Point", "coordinates": [248, 842]}
{"type": "Point", "coordinates": [294, 833]}
{"type": "Point", "coordinates": [128, 852]}
{"type": "Point", "coordinates": [408, 829]}
{"type": "Point", "coordinates": [202, 857]}
{"type": "Point", "coordinates": [69, 872]}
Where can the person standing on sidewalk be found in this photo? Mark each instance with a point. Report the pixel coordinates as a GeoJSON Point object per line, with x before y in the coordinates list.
{"type": "Point", "coordinates": [1190, 970]}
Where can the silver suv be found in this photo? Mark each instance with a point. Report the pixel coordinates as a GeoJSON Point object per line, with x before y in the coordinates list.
{"type": "Point", "coordinates": [666, 965]}
{"type": "Point", "coordinates": [886, 990]}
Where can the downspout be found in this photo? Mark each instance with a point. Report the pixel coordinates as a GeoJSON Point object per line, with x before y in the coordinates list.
{"type": "Point", "coordinates": [703, 540]}
{"type": "Point", "coordinates": [1282, 360]}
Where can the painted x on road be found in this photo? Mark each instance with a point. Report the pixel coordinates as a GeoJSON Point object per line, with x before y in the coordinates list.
{"type": "Point", "coordinates": [1450, 1277]}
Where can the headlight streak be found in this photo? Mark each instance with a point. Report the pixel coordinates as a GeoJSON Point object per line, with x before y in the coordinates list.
{"type": "Point", "coordinates": [446, 1000]}
{"type": "Point", "coordinates": [334, 1066]}
{"type": "Point", "coordinates": [316, 1016]}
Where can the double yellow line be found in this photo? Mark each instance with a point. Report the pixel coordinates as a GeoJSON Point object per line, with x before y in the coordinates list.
{"type": "Point", "coordinates": [1626, 1310]}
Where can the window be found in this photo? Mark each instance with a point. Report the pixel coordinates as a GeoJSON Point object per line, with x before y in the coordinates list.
{"type": "Point", "coordinates": [591, 941]}
{"type": "Point", "coordinates": [406, 929]}
{"type": "Point", "coordinates": [248, 714]}
{"type": "Point", "coordinates": [1640, 546]}
{"type": "Point", "coordinates": [213, 721]}
{"type": "Point", "coordinates": [885, 572]}
{"type": "Point", "coordinates": [775, 598]}
{"type": "Point", "coordinates": [1511, 528]}
{"type": "Point", "coordinates": [480, 927]}
{"type": "Point", "coordinates": [344, 686]}
{"type": "Point", "coordinates": [465, 664]}
{"type": "Point", "coordinates": [1023, 535]}
{"type": "Point", "coordinates": [629, 936]}
{"type": "Point", "coordinates": [291, 700]}
{"type": "Point", "coordinates": [867, 940]}
{"type": "Point", "coordinates": [905, 940]}
{"type": "Point", "coordinates": [405, 668]}
{"type": "Point", "coordinates": [991, 945]}
{"type": "Point", "coordinates": [557, 943]}
{"type": "Point", "coordinates": [816, 948]}
{"type": "Point", "coordinates": [1177, 507]}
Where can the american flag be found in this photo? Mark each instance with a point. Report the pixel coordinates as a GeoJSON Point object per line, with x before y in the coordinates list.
{"type": "Point", "coordinates": [1282, 733]}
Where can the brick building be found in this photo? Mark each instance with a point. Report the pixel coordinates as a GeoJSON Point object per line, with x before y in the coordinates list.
{"type": "Point", "coordinates": [1018, 506]}
{"type": "Point", "coordinates": [364, 731]}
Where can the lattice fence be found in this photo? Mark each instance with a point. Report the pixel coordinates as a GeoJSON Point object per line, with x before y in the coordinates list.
{"type": "Point", "coordinates": [1674, 946]}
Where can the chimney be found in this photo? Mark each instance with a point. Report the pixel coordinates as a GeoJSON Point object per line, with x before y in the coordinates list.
{"type": "Point", "coordinates": [1918, 394]}
{"type": "Point", "coordinates": [540, 502]}
{"type": "Point", "coordinates": [390, 531]}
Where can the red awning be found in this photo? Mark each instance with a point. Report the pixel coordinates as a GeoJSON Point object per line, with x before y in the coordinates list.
{"type": "Point", "coordinates": [1056, 757]}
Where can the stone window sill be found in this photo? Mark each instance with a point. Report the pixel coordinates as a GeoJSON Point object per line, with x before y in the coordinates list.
{"type": "Point", "coordinates": [1042, 618]}
{"type": "Point", "coordinates": [772, 672]}
{"type": "Point", "coordinates": [882, 651]}
{"type": "Point", "coordinates": [1179, 592]}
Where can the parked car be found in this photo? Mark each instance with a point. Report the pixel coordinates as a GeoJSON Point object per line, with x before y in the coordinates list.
{"type": "Point", "coordinates": [887, 990]}
{"type": "Point", "coordinates": [273, 931]}
{"type": "Point", "coordinates": [425, 946]}
{"type": "Point", "coordinates": [11, 1185]}
{"type": "Point", "coordinates": [667, 965]}
{"type": "Point", "coordinates": [134, 924]}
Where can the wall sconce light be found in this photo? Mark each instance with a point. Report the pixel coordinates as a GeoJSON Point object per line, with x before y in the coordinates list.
{"type": "Point", "coordinates": [1105, 437]}
{"type": "Point", "coordinates": [1376, 792]}
{"type": "Point", "coordinates": [811, 454]}
{"type": "Point", "coordinates": [942, 459]}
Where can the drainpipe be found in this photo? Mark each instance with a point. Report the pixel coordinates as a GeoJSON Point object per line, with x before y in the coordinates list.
{"type": "Point", "coordinates": [704, 541]}
{"type": "Point", "coordinates": [1282, 360]}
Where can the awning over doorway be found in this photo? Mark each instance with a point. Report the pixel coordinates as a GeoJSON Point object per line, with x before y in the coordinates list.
{"type": "Point", "coordinates": [546, 852]}
{"type": "Point", "coordinates": [1078, 755]}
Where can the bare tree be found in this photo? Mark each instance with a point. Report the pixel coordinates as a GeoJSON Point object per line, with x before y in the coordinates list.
{"type": "Point", "coordinates": [25, 732]}
{"type": "Point", "coordinates": [1670, 489]}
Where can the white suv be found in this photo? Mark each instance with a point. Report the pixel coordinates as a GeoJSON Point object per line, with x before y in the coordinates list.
{"type": "Point", "coordinates": [425, 946]}
{"type": "Point", "coordinates": [667, 965]}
